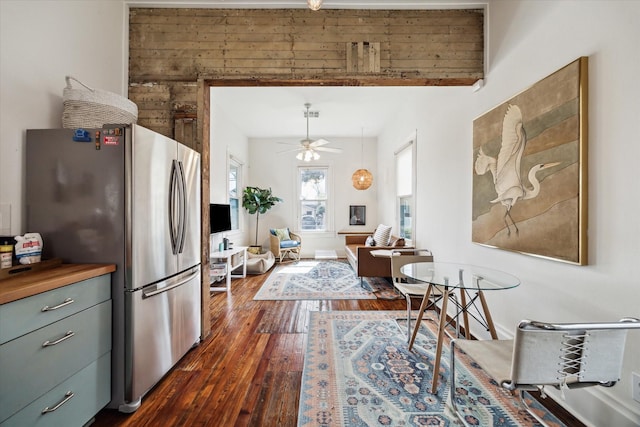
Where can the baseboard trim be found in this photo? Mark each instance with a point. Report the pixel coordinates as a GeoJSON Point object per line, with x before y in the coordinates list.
{"type": "Point", "coordinates": [595, 407]}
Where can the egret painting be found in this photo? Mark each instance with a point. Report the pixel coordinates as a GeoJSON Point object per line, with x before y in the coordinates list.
{"type": "Point", "coordinates": [529, 169]}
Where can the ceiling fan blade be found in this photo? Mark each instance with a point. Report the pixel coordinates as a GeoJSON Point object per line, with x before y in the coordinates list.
{"type": "Point", "coordinates": [319, 142]}
{"type": "Point", "coordinates": [328, 149]}
{"type": "Point", "coordinates": [292, 150]}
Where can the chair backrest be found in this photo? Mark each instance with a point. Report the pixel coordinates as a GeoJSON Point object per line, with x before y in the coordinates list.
{"type": "Point", "coordinates": [571, 354]}
{"type": "Point", "coordinates": [407, 256]}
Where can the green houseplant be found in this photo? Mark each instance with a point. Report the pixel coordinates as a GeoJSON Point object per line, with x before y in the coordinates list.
{"type": "Point", "coordinates": [258, 201]}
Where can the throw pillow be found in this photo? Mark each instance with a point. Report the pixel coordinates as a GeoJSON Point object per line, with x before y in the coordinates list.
{"type": "Point", "coordinates": [397, 242]}
{"type": "Point", "coordinates": [382, 235]}
{"type": "Point", "coordinates": [282, 233]}
{"type": "Point", "coordinates": [369, 241]}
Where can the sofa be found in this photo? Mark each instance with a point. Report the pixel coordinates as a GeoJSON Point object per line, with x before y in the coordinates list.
{"type": "Point", "coordinates": [365, 264]}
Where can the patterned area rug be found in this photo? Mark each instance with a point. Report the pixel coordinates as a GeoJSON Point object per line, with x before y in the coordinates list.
{"type": "Point", "coordinates": [322, 279]}
{"type": "Point", "coordinates": [358, 372]}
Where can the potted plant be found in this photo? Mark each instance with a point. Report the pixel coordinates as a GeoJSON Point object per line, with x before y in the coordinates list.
{"type": "Point", "coordinates": [258, 201]}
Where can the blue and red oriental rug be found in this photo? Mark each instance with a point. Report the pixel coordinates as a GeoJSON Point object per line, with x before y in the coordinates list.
{"type": "Point", "coordinates": [359, 372]}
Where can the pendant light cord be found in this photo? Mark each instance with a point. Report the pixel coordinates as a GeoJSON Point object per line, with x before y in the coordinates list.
{"type": "Point", "coordinates": [362, 148]}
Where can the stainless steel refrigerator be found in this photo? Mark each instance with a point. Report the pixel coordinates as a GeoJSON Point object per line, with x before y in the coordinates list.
{"type": "Point", "coordinates": [129, 196]}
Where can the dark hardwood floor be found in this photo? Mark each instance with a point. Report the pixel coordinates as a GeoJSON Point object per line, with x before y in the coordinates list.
{"type": "Point", "coordinates": [248, 372]}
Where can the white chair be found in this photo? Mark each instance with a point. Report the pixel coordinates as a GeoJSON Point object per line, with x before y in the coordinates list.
{"type": "Point", "coordinates": [409, 287]}
{"type": "Point", "coordinates": [565, 356]}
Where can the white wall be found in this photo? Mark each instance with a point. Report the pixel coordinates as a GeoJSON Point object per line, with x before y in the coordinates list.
{"type": "Point", "coordinates": [529, 40]}
{"type": "Point", "coordinates": [269, 168]}
{"type": "Point", "coordinates": [40, 43]}
{"type": "Point", "coordinates": [226, 140]}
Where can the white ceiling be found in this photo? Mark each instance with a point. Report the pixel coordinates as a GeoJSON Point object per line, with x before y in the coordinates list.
{"type": "Point", "coordinates": [271, 112]}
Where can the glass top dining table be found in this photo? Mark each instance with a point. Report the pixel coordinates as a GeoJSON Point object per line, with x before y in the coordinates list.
{"type": "Point", "coordinates": [471, 281]}
{"type": "Point", "coordinates": [456, 275]}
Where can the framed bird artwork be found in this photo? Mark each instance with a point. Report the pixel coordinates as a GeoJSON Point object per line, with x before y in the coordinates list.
{"type": "Point", "coordinates": [530, 169]}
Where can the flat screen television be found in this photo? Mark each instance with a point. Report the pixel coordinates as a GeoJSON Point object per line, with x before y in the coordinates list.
{"type": "Point", "coordinates": [219, 217]}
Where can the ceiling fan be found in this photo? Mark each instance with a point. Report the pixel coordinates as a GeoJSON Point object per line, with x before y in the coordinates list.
{"type": "Point", "coordinates": [308, 149]}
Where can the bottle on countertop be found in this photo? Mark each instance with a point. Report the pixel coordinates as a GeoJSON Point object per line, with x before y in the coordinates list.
{"type": "Point", "coordinates": [6, 253]}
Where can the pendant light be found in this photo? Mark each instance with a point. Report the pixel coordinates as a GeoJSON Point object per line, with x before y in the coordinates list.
{"type": "Point", "coordinates": [362, 178]}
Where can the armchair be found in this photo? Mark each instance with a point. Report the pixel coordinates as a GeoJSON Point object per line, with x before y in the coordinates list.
{"type": "Point", "coordinates": [285, 243]}
{"type": "Point", "coordinates": [562, 355]}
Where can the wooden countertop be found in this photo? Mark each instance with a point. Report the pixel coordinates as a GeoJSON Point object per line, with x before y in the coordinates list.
{"type": "Point", "coordinates": [35, 282]}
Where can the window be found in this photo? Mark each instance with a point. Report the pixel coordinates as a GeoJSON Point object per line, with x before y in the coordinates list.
{"type": "Point", "coordinates": [404, 190]}
{"type": "Point", "coordinates": [313, 184]}
{"type": "Point", "coordinates": [406, 230]}
{"type": "Point", "coordinates": [235, 172]}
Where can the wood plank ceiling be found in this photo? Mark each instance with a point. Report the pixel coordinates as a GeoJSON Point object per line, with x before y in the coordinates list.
{"type": "Point", "coordinates": [171, 49]}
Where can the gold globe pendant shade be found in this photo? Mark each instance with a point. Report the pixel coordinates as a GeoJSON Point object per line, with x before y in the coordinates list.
{"type": "Point", "coordinates": [361, 179]}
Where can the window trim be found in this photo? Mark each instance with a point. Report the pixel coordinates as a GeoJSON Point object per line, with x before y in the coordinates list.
{"type": "Point", "coordinates": [410, 143]}
{"type": "Point", "coordinates": [234, 161]}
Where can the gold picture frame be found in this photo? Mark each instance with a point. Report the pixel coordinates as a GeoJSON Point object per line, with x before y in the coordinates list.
{"type": "Point", "coordinates": [530, 169]}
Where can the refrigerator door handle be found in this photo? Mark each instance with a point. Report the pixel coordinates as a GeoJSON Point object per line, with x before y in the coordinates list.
{"type": "Point", "coordinates": [148, 294]}
{"type": "Point", "coordinates": [182, 224]}
{"type": "Point", "coordinates": [172, 207]}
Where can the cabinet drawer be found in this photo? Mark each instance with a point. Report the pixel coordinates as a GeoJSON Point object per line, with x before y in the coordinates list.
{"type": "Point", "coordinates": [23, 316]}
{"type": "Point", "coordinates": [30, 369]}
{"type": "Point", "coordinates": [91, 388]}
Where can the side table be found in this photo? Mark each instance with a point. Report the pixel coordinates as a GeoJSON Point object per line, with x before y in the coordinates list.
{"type": "Point", "coordinates": [234, 258]}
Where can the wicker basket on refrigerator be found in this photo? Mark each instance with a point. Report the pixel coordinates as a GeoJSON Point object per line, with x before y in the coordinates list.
{"type": "Point", "coordinates": [91, 108]}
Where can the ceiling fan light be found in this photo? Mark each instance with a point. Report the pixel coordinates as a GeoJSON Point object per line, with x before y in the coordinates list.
{"type": "Point", "coordinates": [314, 4]}
{"type": "Point", "coordinates": [361, 179]}
{"type": "Point", "coordinates": [316, 156]}
{"type": "Point", "coordinates": [299, 156]}
{"type": "Point", "coordinates": [308, 155]}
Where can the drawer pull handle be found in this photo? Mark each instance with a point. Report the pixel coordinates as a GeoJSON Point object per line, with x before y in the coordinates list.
{"type": "Point", "coordinates": [62, 304]}
{"type": "Point", "coordinates": [68, 395]}
{"type": "Point", "coordinates": [58, 341]}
